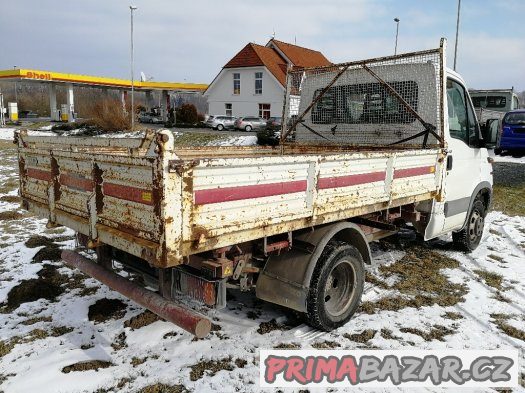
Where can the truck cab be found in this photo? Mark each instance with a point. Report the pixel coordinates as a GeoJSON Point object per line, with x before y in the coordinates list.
{"type": "Point", "coordinates": [467, 183]}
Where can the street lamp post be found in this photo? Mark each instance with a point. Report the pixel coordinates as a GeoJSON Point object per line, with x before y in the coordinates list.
{"type": "Point", "coordinates": [397, 33]}
{"type": "Point", "coordinates": [457, 36]}
{"type": "Point", "coordinates": [16, 87]}
{"type": "Point", "coordinates": [132, 8]}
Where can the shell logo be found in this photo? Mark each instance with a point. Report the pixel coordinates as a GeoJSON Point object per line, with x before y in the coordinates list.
{"type": "Point", "coordinates": [38, 75]}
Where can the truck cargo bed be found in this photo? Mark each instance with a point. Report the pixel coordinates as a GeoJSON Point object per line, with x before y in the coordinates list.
{"type": "Point", "coordinates": [161, 204]}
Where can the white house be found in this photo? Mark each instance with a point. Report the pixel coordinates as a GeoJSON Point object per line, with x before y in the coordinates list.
{"type": "Point", "coordinates": [253, 82]}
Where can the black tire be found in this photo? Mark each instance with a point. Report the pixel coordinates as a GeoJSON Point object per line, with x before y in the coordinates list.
{"type": "Point", "coordinates": [469, 237]}
{"type": "Point", "coordinates": [220, 127]}
{"type": "Point", "coordinates": [336, 286]}
{"type": "Point", "coordinates": [248, 128]}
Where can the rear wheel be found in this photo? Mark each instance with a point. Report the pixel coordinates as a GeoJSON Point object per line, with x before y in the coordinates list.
{"type": "Point", "coordinates": [336, 286]}
{"type": "Point", "coordinates": [469, 237]}
{"type": "Point", "coordinates": [248, 128]}
{"type": "Point", "coordinates": [220, 127]}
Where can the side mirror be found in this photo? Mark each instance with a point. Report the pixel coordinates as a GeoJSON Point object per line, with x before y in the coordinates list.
{"type": "Point", "coordinates": [490, 132]}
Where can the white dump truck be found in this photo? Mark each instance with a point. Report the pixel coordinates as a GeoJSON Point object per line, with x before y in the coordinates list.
{"type": "Point", "coordinates": [374, 145]}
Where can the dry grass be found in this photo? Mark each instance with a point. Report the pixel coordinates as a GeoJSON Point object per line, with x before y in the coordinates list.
{"type": "Point", "coordinates": [325, 345]}
{"type": "Point", "coordinates": [35, 334]}
{"type": "Point", "coordinates": [163, 388]}
{"type": "Point", "coordinates": [420, 281]}
{"type": "Point", "coordinates": [87, 366]}
{"type": "Point", "coordinates": [363, 337]}
{"type": "Point", "coordinates": [10, 215]}
{"type": "Point", "coordinates": [493, 280]}
{"type": "Point", "coordinates": [287, 346]}
{"type": "Point", "coordinates": [210, 368]}
{"type": "Point", "coordinates": [452, 315]}
{"type": "Point", "coordinates": [500, 320]}
{"type": "Point", "coordinates": [270, 326]}
{"type": "Point", "coordinates": [509, 200]}
{"type": "Point", "coordinates": [437, 332]}
{"type": "Point", "coordinates": [108, 115]}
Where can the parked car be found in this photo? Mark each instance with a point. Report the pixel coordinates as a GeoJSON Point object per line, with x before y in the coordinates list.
{"type": "Point", "coordinates": [149, 118]}
{"type": "Point", "coordinates": [220, 122]}
{"type": "Point", "coordinates": [274, 123]}
{"type": "Point", "coordinates": [250, 123]}
{"type": "Point", "coordinates": [512, 135]}
{"type": "Point", "coordinates": [27, 114]}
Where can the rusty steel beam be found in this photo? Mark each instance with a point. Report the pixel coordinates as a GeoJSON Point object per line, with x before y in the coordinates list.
{"type": "Point", "coordinates": [167, 309]}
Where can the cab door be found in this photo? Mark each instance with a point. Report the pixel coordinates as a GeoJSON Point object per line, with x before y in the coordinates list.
{"type": "Point", "coordinates": [464, 156]}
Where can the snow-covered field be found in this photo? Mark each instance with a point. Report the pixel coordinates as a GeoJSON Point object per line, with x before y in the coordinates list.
{"type": "Point", "coordinates": [52, 335]}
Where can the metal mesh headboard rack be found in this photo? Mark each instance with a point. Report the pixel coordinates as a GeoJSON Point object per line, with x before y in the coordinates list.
{"type": "Point", "coordinates": [392, 101]}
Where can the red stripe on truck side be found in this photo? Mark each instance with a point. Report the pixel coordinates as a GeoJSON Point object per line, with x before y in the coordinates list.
{"type": "Point", "coordinates": [39, 174]}
{"type": "Point", "coordinates": [127, 193]}
{"type": "Point", "coordinates": [409, 172]}
{"type": "Point", "coordinates": [228, 194]}
{"type": "Point", "coordinates": [76, 182]}
{"type": "Point", "coordinates": [350, 180]}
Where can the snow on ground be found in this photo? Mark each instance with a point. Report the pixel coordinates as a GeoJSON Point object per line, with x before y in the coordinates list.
{"type": "Point", "coordinates": [243, 140]}
{"type": "Point", "coordinates": [518, 159]}
{"type": "Point", "coordinates": [42, 341]}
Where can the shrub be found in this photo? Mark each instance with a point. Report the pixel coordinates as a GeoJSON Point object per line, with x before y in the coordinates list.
{"type": "Point", "coordinates": [187, 114]}
{"type": "Point", "coordinates": [268, 138]}
{"type": "Point", "coordinates": [107, 115]}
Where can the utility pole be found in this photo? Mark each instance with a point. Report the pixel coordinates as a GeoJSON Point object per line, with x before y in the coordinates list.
{"type": "Point", "coordinates": [132, 111]}
{"type": "Point", "coordinates": [397, 33]}
{"type": "Point", "coordinates": [457, 36]}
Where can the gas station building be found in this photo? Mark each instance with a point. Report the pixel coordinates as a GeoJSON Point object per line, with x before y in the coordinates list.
{"type": "Point", "coordinates": [66, 111]}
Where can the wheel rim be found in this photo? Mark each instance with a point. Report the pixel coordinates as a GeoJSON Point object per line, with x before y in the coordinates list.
{"type": "Point", "coordinates": [339, 288]}
{"type": "Point", "coordinates": [475, 228]}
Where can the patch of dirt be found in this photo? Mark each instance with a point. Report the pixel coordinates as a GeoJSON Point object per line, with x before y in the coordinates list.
{"type": "Point", "coordinates": [240, 363]}
{"type": "Point", "coordinates": [105, 309]}
{"type": "Point", "coordinates": [493, 280]}
{"type": "Point", "coordinates": [143, 319]}
{"type": "Point", "coordinates": [51, 253]}
{"type": "Point", "coordinates": [325, 345]}
{"type": "Point", "coordinates": [39, 241]}
{"type": "Point", "coordinates": [496, 258]}
{"type": "Point", "coordinates": [388, 335]}
{"type": "Point", "coordinates": [32, 321]}
{"type": "Point", "coordinates": [119, 342]}
{"type": "Point", "coordinates": [287, 346]}
{"type": "Point", "coordinates": [135, 361]}
{"type": "Point", "coordinates": [500, 298]}
{"type": "Point", "coordinates": [270, 326]}
{"type": "Point", "coordinates": [500, 320]}
{"type": "Point", "coordinates": [211, 367]}
{"type": "Point", "coordinates": [437, 332]}
{"type": "Point", "coordinates": [420, 281]}
{"type": "Point", "coordinates": [170, 334]}
{"type": "Point", "coordinates": [34, 335]}
{"type": "Point", "coordinates": [48, 286]}
{"type": "Point", "coordinates": [363, 337]}
{"type": "Point", "coordinates": [10, 198]}
{"type": "Point", "coordinates": [87, 366]}
{"type": "Point", "coordinates": [10, 215]}
{"type": "Point", "coordinates": [163, 388]}
{"type": "Point", "coordinates": [452, 315]}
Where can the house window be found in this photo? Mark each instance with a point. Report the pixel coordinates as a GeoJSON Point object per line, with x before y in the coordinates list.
{"type": "Point", "coordinates": [228, 109]}
{"type": "Point", "coordinates": [264, 111]}
{"type": "Point", "coordinates": [236, 83]}
{"type": "Point", "coordinates": [258, 82]}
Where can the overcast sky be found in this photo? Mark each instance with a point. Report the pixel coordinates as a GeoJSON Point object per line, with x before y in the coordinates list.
{"type": "Point", "coordinates": [192, 40]}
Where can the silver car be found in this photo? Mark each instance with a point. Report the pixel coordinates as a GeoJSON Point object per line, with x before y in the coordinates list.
{"type": "Point", "coordinates": [250, 123]}
{"type": "Point", "coordinates": [220, 122]}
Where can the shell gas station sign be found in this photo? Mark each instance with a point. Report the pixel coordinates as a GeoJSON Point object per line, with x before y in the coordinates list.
{"type": "Point", "coordinates": [39, 75]}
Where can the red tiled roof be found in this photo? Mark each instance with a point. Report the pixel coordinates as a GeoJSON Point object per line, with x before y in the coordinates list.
{"type": "Point", "coordinates": [301, 57]}
{"type": "Point", "coordinates": [253, 55]}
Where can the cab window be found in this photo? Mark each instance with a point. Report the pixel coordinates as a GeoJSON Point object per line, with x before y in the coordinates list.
{"type": "Point", "coordinates": [461, 118]}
